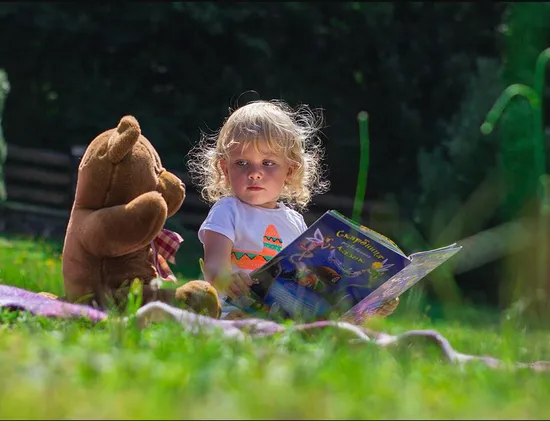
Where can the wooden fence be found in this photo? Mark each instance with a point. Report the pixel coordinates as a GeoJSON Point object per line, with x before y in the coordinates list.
{"type": "Point", "coordinates": [40, 184]}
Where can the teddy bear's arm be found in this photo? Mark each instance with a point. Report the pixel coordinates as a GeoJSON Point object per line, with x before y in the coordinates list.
{"type": "Point", "coordinates": [118, 230]}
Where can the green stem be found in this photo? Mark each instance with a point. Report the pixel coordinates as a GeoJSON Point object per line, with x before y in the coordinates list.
{"type": "Point", "coordinates": [540, 145]}
{"type": "Point", "coordinates": [534, 96]}
{"type": "Point", "coordinates": [4, 90]}
{"type": "Point", "coordinates": [540, 152]}
{"type": "Point", "coordinates": [504, 99]}
{"type": "Point", "coordinates": [363, 118]}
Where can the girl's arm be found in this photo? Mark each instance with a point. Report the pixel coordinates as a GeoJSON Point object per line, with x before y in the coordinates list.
{"type": "Point", "coordinates": [217, 266]}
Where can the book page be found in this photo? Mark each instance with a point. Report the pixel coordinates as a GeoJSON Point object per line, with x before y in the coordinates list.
{"type": "Point", "coordinates": [421, 264]}
{"type": "Point", "coordinates": [382, 239]}
{"type": "Point", "coordinates": [330, 267]}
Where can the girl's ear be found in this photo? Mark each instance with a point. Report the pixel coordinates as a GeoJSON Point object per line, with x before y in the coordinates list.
{"type": "Point", "coordinates": [290, 172]}
{"type": "Point", "coordinates": [223, 166]}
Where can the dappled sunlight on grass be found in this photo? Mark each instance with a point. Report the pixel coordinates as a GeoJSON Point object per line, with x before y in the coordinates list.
{"type": "Point", "coordinates": [31, 264]}
{"type": "Point", "coordinates": [168, 373]}
{"type": "Point", "coordinates": [75, 369]}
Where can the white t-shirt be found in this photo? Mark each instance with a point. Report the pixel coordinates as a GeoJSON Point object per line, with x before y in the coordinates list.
{"type": "Point", "coordinates": [257, 233]}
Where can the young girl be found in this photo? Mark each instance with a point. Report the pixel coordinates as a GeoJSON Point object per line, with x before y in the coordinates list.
{"type": "Point", "coordinates": [263, 164]}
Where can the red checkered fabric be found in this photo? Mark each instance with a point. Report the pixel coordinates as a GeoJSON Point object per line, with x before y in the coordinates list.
{"type": "Point", "coordinates": [165, 246]}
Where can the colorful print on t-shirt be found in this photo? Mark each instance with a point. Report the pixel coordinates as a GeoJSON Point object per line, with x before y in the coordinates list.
{"type": "Point", "coordinates": [252, 259]}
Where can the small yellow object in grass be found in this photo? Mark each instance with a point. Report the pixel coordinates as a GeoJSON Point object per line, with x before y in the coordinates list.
{"type": "Point", "coordinates": [201, 264]}
{"type": "Point", "coordinates": [136, 287]}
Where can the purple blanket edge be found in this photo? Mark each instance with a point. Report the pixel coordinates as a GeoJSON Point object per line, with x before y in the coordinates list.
{"type": "Point", "coordinates": [17, 298]}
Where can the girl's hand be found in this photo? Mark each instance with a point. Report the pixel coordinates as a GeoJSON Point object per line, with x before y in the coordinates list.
{"type": "Point", "coordinates": [239, 285]}
{"type": "Point", "coordinates": [217, 268]}
{"type": "Point", "coordinates": [387, 308]}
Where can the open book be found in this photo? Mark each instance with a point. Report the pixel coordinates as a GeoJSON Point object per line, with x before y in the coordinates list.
{"type": "Point", "coordinates": [337, 266]}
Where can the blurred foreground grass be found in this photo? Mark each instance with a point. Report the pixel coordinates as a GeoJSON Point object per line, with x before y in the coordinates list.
{"type": "Point", "coordinates": [73, 369]}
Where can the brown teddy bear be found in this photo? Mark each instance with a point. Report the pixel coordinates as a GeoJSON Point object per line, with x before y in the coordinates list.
{"type": "Point", "coordinates": [115, 232]}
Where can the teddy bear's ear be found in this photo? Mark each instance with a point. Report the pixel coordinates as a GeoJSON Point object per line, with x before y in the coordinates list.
{"type": "Point", "coordinates": [123, 139]}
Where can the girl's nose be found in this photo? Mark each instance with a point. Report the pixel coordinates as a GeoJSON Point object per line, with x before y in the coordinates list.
{"type": "Point", "coordinates": [254, 175]}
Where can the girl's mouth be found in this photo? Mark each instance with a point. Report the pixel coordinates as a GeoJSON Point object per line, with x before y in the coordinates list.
{"type": "Point", "coordinates": [254, 188]}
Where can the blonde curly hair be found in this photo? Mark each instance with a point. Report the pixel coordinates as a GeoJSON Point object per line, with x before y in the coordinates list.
{"type": "Point", "coordinates": [294, 132]}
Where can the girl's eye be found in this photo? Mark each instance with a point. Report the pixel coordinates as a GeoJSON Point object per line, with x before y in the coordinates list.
{"type": "Point", "coordinates": [269, 163]}
{"type": "Point", "coordinates": [240, 163]}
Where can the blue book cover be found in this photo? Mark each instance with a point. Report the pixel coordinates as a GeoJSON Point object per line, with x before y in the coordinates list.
{"type": "Point", "coordinates": [337, 266]}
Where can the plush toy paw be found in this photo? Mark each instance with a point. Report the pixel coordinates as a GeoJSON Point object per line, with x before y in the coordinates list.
{"type": "Point", "coordinates": [201, 297]}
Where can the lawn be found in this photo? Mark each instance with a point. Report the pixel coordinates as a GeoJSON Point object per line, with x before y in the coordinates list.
{"type": "Point", "coordinates": [74, 369]}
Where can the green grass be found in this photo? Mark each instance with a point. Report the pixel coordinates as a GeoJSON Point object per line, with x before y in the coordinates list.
{"type": "Point", "coordinates": [74, 369]}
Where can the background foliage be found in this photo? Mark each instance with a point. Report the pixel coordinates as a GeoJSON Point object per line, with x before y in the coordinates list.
{"type": "Point", "coordinates": [75, 69]}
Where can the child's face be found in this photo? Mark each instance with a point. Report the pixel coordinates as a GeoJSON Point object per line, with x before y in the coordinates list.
{"type": "Point", "coordinates": [256, 175]}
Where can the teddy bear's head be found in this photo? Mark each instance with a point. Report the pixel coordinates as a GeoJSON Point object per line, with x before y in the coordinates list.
{"type": "Point", "coordinates": [121, 164]}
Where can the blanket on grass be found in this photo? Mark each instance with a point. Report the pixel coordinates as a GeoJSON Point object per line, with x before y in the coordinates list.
{"type": "Point", "coordinates": [13, 298]}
